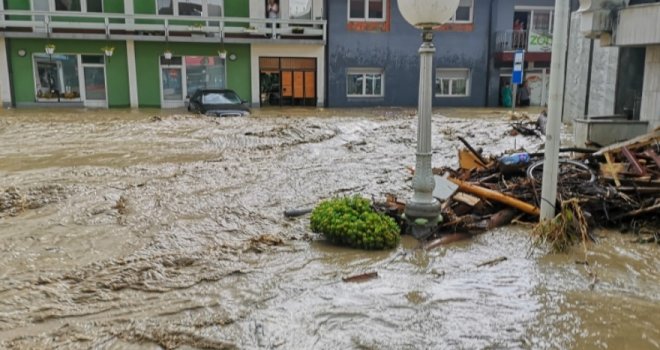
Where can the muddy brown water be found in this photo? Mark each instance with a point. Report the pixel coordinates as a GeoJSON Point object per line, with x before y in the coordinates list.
{"type": "Point", "coordinates": [151, 229]}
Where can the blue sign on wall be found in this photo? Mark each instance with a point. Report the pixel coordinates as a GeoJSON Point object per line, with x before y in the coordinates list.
{"type": "Point", "coordinates": [518, 67]}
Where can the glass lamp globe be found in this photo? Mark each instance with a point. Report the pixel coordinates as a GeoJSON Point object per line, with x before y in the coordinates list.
{"type": "Point", "coordinates": [427, 13]}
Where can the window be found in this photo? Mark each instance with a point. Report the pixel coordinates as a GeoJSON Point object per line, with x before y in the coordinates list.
{"type": "Point", "coordinates": [464, 12]}
{"type": "Point", "coordinates": [452, 82]}
{"type": "Point", "coordinates": [204, 73]}
{"type": "Point", "coordinates": [373, 10]}
{"type": "Point", "coordinates": [196, 8]}
{"type": "Point", "coordinates": [182, 76]}
{"type": "Point", "coordinates": [72, 5]}
{"type": "Point", "coordinates": [365, 83]}
{"type": "Point", "coordinates": [300, 9]}
{"type": "Point", "coordinates": [56, 76]}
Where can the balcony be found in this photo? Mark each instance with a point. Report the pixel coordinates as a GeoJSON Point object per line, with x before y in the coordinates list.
{"type": "Point", "coordinates": [139, 27]}
{"type": "Point", "coordinates": [537, 44]}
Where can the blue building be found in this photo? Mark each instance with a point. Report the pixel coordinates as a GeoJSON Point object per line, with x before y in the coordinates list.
{"type": "Point", "coordinates": [373, 61]}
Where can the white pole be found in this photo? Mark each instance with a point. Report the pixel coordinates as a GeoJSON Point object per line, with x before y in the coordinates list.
{"type": "Point", "coordinates": [555, 107]}
{"type": "Point", "coordinates": [5, 85]}
{"type": "Point", "coordinates": [423, 210]}
{"type": "Point", "coordinates": [132, 74]}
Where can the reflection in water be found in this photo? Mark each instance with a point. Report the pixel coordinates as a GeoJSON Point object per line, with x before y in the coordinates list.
{"type": "Point", "coordinates": [122, 230]}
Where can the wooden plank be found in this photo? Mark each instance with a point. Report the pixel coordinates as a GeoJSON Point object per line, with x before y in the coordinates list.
{"type": "Point", "coordinates": [298, 84]}
{"type": "Point", "coordinates": [496, 196]}
{"type": "Point", "coordinates": [310, 85]}
{"type": "Point", "coordinates": [467, 199]}
{"type": "Point", "coordinates": [637, 142]}
{"type": "Point", "coordinates": [608, 158]}
{"type": "Point", "coordinates": [468, 160]}
{"type": "Point", "coordinates": [651, 154]}
{"type": "Point", "coordinates": [287, 84]}
{"type": "Point", "coordinates": [639, 169]}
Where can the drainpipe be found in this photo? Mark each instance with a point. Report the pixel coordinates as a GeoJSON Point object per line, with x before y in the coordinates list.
{"type": "Point", "coordinates": [490, 53]}
{"type": "Point", "coordinates": [589, 71]}
{"type": "Point", "coordinates": [553, 131]}
{"type": "Point", "coordinates": [326, 16]}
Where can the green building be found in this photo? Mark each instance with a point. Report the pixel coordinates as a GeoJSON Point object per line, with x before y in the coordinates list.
{"type": "Point", "coordinates": [155, 53]}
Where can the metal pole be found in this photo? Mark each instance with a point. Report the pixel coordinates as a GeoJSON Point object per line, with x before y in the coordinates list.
{"type": "Point", "coordinates": [553, 131]}
{"type": "Point", "coordinates": [424, 210]}
{"type": "Point", "coordinates": [514, 95]}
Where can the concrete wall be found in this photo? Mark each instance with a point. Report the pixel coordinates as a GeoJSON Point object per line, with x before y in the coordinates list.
{"type": "Point", "coordinates": [603, 80]}
{"type": "Point", "coordinates": [651, 93]}
{"type": "Point", "coordinates": [395, 51]}
{"type": "Point", "coordinates": [602, 88]}
{"type": "Point", "coordinates": [575, 91]}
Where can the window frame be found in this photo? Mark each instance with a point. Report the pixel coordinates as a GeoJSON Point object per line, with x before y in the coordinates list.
{"type": "Point", "coordinates": [364, 72]}
{"type": "Point", "coordinates": [366, 12]}
{"type": "Point", "coordinates": [471, 20]}
{"type": "Point", "coordinates": [83, 6]}
{"type": "Point", "coordinates": [81, 81]}
{"type": "Point", "coordinates": [175, 8]}
{"type": "Point", "coordinates": [468, 82]}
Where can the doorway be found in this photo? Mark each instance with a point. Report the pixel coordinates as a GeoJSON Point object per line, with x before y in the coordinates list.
{"type": "Point", "coordinates": [287, 81]}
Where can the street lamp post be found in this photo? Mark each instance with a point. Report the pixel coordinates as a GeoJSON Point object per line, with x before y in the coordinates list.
{"type": "Point", "coordinates": [423, 211]}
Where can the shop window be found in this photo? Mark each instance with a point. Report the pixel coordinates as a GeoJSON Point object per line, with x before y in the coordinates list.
{"type": "Point", "coordinates": [452, 82]}
{"type": "Point", "coordinates": [373, 10]}
{"type": "Point", "coordinates": [204, 72]}
{"type": "Point", "coordinates": [365, 83]}
{"type": "Point", "coordinates": [182, 76]}
{"type": "Point", "coordinates": [56, 77]}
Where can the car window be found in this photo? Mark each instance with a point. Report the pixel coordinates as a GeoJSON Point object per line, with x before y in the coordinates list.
{"type": "Point", "coordinates": [220, 98]}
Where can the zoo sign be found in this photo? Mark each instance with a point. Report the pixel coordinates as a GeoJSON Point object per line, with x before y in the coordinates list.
{"type": "Point", "coordinates": [539, 42]}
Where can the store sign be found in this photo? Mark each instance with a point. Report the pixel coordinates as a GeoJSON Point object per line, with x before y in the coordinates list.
{"type": "Point", "coordinates": [539, 41]}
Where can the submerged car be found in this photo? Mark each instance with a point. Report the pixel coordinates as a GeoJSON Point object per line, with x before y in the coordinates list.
{"type": "Point", "coordinates": [218, 103]}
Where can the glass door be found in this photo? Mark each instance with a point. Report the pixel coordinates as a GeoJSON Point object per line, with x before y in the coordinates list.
{"type": "Point", "coordinates": [94, 79]}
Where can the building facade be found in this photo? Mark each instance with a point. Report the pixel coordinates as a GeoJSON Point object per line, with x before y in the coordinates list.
{"type": "Point", "coordinates": [155, 53]}
{"type": "Point", "coordinates": [373, 60]}
{"type": "Point", "coordinates": [614, 65]}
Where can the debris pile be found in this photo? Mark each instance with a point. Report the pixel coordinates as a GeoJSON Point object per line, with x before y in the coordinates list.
{"type": "Point", "coordinates": [608, 187]}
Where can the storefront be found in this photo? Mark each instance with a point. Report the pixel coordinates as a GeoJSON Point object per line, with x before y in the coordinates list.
{"type": "Point", "coordinates": [181, 76]}
{"type": "Point", "coordinates": [286, 81]}
{"type": "Point", "coordinates": [70, 78]}
{"type": "Point", "coordinates": [76, 73]}
{"type": "Point", "coordinates": [288, 75]}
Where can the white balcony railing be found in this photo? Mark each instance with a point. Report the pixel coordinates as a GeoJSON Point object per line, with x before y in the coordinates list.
{"type": "Point", "coordinates": [528, 40]}
{"type": "Point", "coordinates": [19, 23]}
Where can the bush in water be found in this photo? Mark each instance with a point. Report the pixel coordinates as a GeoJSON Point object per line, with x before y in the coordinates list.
{"type": "Point", "coordinates": [352, 222]}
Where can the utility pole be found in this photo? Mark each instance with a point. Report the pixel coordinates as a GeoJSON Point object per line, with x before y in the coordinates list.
{"type": "Point", "coordinates": [555, 107]}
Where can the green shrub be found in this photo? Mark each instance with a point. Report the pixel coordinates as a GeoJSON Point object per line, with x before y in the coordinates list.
{"type": "Point", "coordinates": [352, 222]}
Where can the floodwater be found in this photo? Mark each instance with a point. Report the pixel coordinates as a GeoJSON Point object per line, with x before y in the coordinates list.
{"type": "Point", "coordinates": [155, 230]}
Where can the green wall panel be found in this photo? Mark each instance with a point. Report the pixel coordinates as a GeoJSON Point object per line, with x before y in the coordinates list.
{"type": "Point", "coordinates": [114, 6]}
{"type": "Point", "coordinates": [18, 4]}
{"type": "Point", "coordinates": [116, 67]}
{"type": "Point", "coordinates": [237, 8]}
{"type": "Point", "coordinates": [145, 6]}
{"type": "Point", "coordinates": [147, 63]}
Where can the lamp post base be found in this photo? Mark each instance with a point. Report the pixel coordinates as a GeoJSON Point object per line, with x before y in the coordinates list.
{"type": "Point", "coordinates": [423, 218]}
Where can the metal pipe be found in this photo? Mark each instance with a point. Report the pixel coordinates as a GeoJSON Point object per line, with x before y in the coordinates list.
{"type": "Point", "coordinates": [553, 131]}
